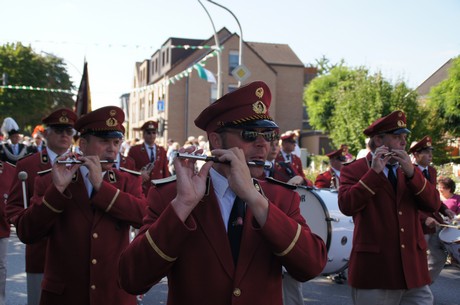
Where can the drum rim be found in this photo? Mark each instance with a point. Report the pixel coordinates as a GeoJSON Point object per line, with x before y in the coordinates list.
{"type": "Point", "coordinates": [327, 218]}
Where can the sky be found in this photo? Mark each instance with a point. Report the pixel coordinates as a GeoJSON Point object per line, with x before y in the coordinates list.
{"type": "Point", "coordinates": [406, 40]}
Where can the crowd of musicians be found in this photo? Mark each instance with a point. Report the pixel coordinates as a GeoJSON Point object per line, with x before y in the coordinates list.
{"type": "Point", "coordinates": [225, 231]}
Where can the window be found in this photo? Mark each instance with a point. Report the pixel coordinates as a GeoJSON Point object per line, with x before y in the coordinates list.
{"type": "Point", "coordinates": [233, 60]}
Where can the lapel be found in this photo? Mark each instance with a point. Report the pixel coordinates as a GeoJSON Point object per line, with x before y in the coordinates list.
{"type": "Point", "coordinates": [80, 197]}
{"type": "Point", "coordinates": [214, 230]}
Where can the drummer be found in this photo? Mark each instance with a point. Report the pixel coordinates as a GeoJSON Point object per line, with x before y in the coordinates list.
{"type": "Point", "coordinates": [437, 255]}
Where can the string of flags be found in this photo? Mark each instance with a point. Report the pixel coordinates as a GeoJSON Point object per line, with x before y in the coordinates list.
{"type": "Point", "coordinates": [199, 66]}
{"type": "Point", "coordinates": [111, 45]}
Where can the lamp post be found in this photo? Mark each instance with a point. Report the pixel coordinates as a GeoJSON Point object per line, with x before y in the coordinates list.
{"type": "Point", "coordinates": [219, 59]}
{"type": "Point", "coordinates": [240, 58]}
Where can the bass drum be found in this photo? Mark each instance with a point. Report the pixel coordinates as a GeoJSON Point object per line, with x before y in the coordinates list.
{"type": "Point", "coordinates": [320, 209]}
{"type": "Point", "coordinates": [450, 237]}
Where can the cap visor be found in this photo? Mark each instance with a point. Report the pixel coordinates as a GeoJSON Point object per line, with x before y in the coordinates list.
{"type": "Point", "coordinates": [256, 124]}
{"type": "Point", "coordinates": [400, 131]}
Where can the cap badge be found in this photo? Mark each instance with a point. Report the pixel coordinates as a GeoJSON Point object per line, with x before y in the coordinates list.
{"type": "Point", "coordinates": [428, 144]}
{"type": "Point", "coordinates": [401, 124]}
{"type": "Point", "coordinates": [400, 114]}
{"type": "Point", "coordinates": [63, 119]}
{"type": "Point", "coordinates": [259, 107]}
{"type": "Point", "coordinates": [260, 92]}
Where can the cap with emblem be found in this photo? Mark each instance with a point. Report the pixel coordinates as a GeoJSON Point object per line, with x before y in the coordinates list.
{"type": "Point", "coordinates": [150, 125]}
{"type": "Point", "coordinates": [339, 154]}
{"type": "Point", "coordinates": [105, 122]}
{"type": "Point", "coordinates": [394, 123]}
{"type": "Point", "coordinates": [424, 143]}
{"type": "Point", "coordinates": [246, 107]}
{"type": "Point", "coordinates": [289, 136]}
{"type": "Point", "coordinates": [60, 117]}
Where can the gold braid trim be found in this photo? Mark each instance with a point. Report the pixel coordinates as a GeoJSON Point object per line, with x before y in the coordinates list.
{"type": "Point", "coordinates": [368, 188]}
{"type": "Point", "coordinates": [113, 201]}
{"type": "Point", "coordinates": [51, 208]}
{"type": "Point", "coordinates": [157, 250]}
{"type": "Point", "coordinates": [423, 188]}
{"type": "Point", "coordinates": [294, 241]}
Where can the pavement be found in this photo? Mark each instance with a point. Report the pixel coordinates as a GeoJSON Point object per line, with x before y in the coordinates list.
{"type": "Point", "coordinates": [319, 291]}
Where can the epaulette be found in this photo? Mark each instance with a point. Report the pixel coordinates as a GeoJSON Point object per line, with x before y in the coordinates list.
{"type": "Point", "coordinates": [44, 172]}
{"type": "Point", "coordinates": [158, 182]}
{"type": "Point", "coordinates": [275, 181]}
{"type": "Point", "coordinates": [136, 173]}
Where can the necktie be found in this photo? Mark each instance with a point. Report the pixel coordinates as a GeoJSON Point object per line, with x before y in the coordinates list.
{"type": "Point", "coordinates": [235, 227]}
{"type": "Point", "coordinates": [152, 156]}
{"type": "Point", "coordinates": [392, 176]}
{"type": "Point", "coordinates": [426, 174]}
{"type": "Point", "coordinates": [288, 158]}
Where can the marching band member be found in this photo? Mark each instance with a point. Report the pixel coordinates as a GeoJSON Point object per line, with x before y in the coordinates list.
{"type": "Point", "coordinates": [437, 253]}
{"type": "Point", "coordinates": [219, 229]}
{"type": "Point", "coordinates": [150, 158]}
{"type": "Point", "coordinates": [85, 209]}
{"type": "Point", "coordinates": [331, 177]}
{"type": "Point", "coordinates": [58, 134]}
{"type": "Point", "coordinates": [384, 193]}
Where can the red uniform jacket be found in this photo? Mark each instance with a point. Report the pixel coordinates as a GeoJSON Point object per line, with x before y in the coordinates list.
{"type": "Point", "coordinates": [389, 248]}
{"type": "Point", "coordinates": [7, 174]}
{"type": "Point", "coordinates": [327, 180]}
{"type": "Point", "coordinates": [141, 158]}
{"type": "Point", "coordinates": [284, 171]}
{"type": "Point", "coordinates": [85, 237]}
{"type": "Point", "coordinates": [197, 259]}
{"type": "Point", "coordinates": [424, 215]}
{"type": "Point", "coordinates": [32, 164]}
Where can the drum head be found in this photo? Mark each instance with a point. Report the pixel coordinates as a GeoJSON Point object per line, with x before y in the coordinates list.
{"type": "Point", "coordinates": [450, 235]}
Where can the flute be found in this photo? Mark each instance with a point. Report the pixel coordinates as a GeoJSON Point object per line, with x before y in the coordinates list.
{"type": "Point", "coordinates": [81, 162]}
{"type": "Point", "coordinates": [265, 164]}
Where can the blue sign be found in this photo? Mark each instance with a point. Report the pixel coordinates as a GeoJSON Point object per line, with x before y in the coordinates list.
{"type": "Point", "coordinates": [161, 105]}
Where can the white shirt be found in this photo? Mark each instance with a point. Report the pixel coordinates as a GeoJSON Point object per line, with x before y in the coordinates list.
{"type": "Point", "coordinates": [225, 196]}
{"type": "Point", "coordinates": [84, 173]}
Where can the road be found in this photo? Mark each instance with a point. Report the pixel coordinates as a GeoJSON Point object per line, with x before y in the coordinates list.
{"type": "Point", "coordinates": [320, 291]}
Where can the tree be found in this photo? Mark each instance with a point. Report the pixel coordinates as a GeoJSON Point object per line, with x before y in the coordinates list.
{"type": "Point", "coordinates": [345, 101]}
{"type": "Point", "coordinates": [444, 100]}
{"type": "Point", "coordinates": [27, 68]}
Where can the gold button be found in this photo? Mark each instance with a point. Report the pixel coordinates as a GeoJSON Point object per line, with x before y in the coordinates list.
{"type": "Point", "coordinates": [93, 287]}
{"type": "Point", "coordinates": [237, 292]}
{"type": "Point", "coordinates": [95, 235]}
{"type": "Point", "coordinates": [400, 213]}
{"type": "Point", "coordinates": [402, 230]}
{"type": "Point", "coordinates": [94, 261]}
{"type": "Point", "coordinates": [402, 246]}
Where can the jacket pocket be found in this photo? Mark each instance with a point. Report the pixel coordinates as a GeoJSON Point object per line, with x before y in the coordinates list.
{"type": "Point", "coordinates": [53, 287]}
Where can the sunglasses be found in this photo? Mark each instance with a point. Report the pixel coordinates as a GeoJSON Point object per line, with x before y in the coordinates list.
{"type": "Point", "coordinates": [251, 135]}
{"type": "Point", "coordinates": [67, 131]}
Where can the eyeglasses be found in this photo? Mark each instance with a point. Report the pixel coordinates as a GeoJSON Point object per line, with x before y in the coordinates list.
{"type": "Point", "coordinates": [251, 135]}
{"type": "Point", "coordinates": [150, 132]}
{"type": "Point", "coordinates": [67, 131]}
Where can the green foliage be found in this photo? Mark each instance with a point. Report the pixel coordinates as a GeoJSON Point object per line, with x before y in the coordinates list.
{"type": "Point", "coordinates": [345, 101]}
{"type": "Point", "coordinates": [27, 68]}
{"type": "Point", "coordinates": [444, 100]}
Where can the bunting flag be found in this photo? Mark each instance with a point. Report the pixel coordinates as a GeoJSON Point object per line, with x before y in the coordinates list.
{"type": "Point", "coordinates": [83, 103]}
{"type": "Point", "coordinates": [205, 74]}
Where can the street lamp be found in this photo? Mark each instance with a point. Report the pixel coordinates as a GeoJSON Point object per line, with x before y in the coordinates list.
{"type": "Point", "coordinates": [240, 58]}
{"type": "Point", "coordinates": [219, 59]}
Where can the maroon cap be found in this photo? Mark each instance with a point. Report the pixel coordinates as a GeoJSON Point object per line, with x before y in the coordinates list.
{"type": "Point", "coordinates": [424, 143]}
{"type": "Point", "coordinates": [150, 125]}
{"type": "Point", "coordinates": [246, 107]}
{"type": "Point", "coordinates": [289, 135]}
{"type": "Point", "coordinates": [62, 117]}
{"type": "Point", "coordinates": [339, 153]}
{"type": "Point", "coordinates": [394, 123]}
{"type": "Point", "coordinates": [105, 122]}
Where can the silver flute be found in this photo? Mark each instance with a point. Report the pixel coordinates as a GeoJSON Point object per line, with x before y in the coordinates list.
{"type": "Point", "coordinates": [74, 161]}
{"type": "Point", "coordinates": [265, 164]}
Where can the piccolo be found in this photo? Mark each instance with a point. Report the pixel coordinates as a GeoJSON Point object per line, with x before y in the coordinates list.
{"type": "Point", "coordinates": [389, 154]}
{"type": "Point", "coordinates": [266, 164]}
{"type": "Point", "coordinates": [81, 162]}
